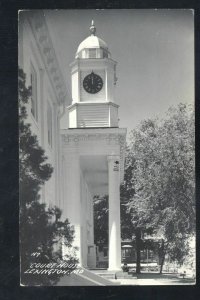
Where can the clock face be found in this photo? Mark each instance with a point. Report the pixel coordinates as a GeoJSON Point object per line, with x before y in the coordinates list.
{"type": "Point", "coordinates": [92, 83]}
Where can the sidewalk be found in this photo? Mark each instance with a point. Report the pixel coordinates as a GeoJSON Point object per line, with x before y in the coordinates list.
{"type": "Point", "coordinates": [156, 279]}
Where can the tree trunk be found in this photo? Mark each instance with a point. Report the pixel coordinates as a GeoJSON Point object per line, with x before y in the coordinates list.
{"type": "Point", "coordinates": [162, 263]}
{"type": "Point", "coordinates": [162, 256]}
{"type": "Point", "coordinates": [138, 248]}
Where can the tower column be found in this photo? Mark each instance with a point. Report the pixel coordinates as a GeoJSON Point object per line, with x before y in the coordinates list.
{"type": "Point", "coordinates": [114, 213]}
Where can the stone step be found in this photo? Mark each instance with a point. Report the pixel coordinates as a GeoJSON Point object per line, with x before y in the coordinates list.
{"type": "Point", "coordinates": [123, 275]}
{"type": "Point", "coordinates": [94, 276]}
{"type": "Point", "coordinates": [86, 278]}
{"type": "Point", "coordinates": [107, 276]}
{"type": "Point", "coordinates": [118, 275]}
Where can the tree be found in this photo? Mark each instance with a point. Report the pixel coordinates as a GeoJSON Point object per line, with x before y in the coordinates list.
{"type": "Point", "coordinates": [101, 221]}
{"type": "Point", "coordinates": [126, 192]}
{"type": "Point", "coordinates": [41, 228]}
{"type": "Point", "coordinates": [135, 215]}
{"type": "Point", "coordinates": [163, 179]}
{"type": "Point", "coordinates": [101, 211]}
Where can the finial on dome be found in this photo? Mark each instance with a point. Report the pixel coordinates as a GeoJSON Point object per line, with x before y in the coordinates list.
{"type": "Point", "coordinates": [92, 28]}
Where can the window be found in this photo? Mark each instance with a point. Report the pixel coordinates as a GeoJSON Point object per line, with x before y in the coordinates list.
{"type": "Point", "coordinates": [126, 252]}
{"type": "Point", "coordinates": [92, 53]}
{"type": "Point", "coordinates": [49, 124]}
{"type": "Point", "coordinates": [34, 108]}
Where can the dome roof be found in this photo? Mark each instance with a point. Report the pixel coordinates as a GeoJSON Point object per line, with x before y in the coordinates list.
{"type": "Point", "coordinates": [91, 42]}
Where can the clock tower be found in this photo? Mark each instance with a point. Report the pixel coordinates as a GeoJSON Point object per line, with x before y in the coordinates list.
{"type": "Point", "coordinates": [93, 76]}
{"type": "Point", "coordinates": [93, 150]}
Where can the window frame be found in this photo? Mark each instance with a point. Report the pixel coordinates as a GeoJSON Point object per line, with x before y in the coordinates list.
{"type": "Point", "coordinates": [34, 93]}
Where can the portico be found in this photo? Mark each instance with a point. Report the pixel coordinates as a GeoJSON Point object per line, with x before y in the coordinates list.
{"type": "Point", "coordinates": [93, 150]}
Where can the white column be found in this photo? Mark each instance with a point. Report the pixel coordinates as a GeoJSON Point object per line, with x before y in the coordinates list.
{"type": "Point", "coordinates": [72, 204]}
{"type": "Point", "coordinates": [114, 213]}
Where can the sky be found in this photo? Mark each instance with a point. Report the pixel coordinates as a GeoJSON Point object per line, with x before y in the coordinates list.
{"type": "Point", "coordinates": [154, 50]}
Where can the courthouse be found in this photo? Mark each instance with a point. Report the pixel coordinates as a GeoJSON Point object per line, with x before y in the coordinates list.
{"type": "Point", "coordinates": [78, 130]}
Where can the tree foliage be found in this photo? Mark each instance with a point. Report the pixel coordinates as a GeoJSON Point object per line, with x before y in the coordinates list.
{"type": "Point", "coordinates": [101, 214]}
{"type": "Point", "coordinates": [101, 221]}
{"type": "Point", "coordinates": [41, 228]}
{"type": "Point", "coordinates": [127, 191]}
{"type": "Point", "coordinates": [162, 177]}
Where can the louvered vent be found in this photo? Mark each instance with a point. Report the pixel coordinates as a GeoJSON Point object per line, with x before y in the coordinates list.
{"type": "Point", "coordinates": [93, 116]}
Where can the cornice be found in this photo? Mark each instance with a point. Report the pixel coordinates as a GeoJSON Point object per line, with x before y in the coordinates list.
{"type": "Point", "coordinates": [90, 61]}
{"type": "Point", "coordinates": [111, 137]}
{"type": "Point", "coordinates": [94, 132]}
{"type": "Point", "coordinates": [43, 39]}
{"type": "Point", "coordinates": [89, 103]}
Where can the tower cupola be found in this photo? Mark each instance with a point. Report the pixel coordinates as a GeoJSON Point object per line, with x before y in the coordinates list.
{"type": "Point", "coordinates": [92, 46]}
{"type": "Point", "coordinates": [93, 74]}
